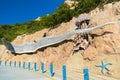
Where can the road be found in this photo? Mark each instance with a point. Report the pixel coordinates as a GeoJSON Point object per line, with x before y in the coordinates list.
{"type": "Point", "coordinates": [11, 73]}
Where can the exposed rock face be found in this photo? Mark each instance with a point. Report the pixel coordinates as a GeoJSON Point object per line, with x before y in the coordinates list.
{"type": "Point", "coordinates": [106, 40]}
{"type": "Point", "coordinates": [37, 19]}
{"type": "Point", "coordinates": [69, 2]}
{"type": "Point", "coordinates": [106, 43]}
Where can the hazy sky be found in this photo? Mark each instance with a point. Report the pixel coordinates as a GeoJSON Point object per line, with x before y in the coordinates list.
{"type": "Point", "coordinates": [18, 11]}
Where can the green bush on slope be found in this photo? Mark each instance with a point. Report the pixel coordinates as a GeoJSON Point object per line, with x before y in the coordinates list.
{"type": "Point", "coordinates": [62, 14]}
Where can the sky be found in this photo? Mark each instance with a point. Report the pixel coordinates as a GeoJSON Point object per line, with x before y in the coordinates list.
{"type": "Point", "coordinates": [20, 11]}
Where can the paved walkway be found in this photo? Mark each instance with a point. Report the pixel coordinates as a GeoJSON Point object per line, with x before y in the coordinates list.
{"type": "Point", "coordinates": [11, 73]}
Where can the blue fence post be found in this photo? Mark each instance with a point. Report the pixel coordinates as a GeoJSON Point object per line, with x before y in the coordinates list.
{"type": "Point", "coordinates": [23, 66]}
{"type": "Point", "coordinates": [5, 63]}
{"type": "Point", "coordinates": [19, 64]}
{"type": "Point", "coordinates": [42, 68]}
{"type": "Point", "coordinates": [0, 63]}
{"type": "Point", "coordinates": [28, 65]}
{"type": "Point", "coordinates": [51, 70]}
{"type": "Point", "coordinates": [10, 63]}
{"type": "Point", "coordinates": [64, 72]}
{"type": "Point", "coordinates": [15, 64]}
{"type": "Point", "coordinates": [86, 74]}
{"type": "Point", "coordinates": [35, 66]}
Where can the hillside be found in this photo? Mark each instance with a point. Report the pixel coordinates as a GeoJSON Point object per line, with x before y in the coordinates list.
{"type": "Point", "coordinates": [105, 44]}
{"type": "Point", "coordinates": [64, 13]}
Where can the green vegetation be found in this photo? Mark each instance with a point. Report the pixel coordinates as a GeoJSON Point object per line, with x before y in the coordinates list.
{"type": "Point", "coordinates": [62, 14]}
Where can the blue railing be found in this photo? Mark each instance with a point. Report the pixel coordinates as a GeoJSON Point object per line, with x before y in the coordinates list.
{"type": "Point", "coordinates": [35, 67]}
{"type": "Point", "coordinates": [51, 70]}
{"type": "Point", "coordinates": [64, 71]}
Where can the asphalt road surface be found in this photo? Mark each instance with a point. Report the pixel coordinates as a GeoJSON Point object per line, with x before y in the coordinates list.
{"type": "Point", "coordinates": [11, 73]}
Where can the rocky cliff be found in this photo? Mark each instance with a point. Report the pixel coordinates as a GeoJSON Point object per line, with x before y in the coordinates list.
{"type": "Point", "coordinates": [105, 44]}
